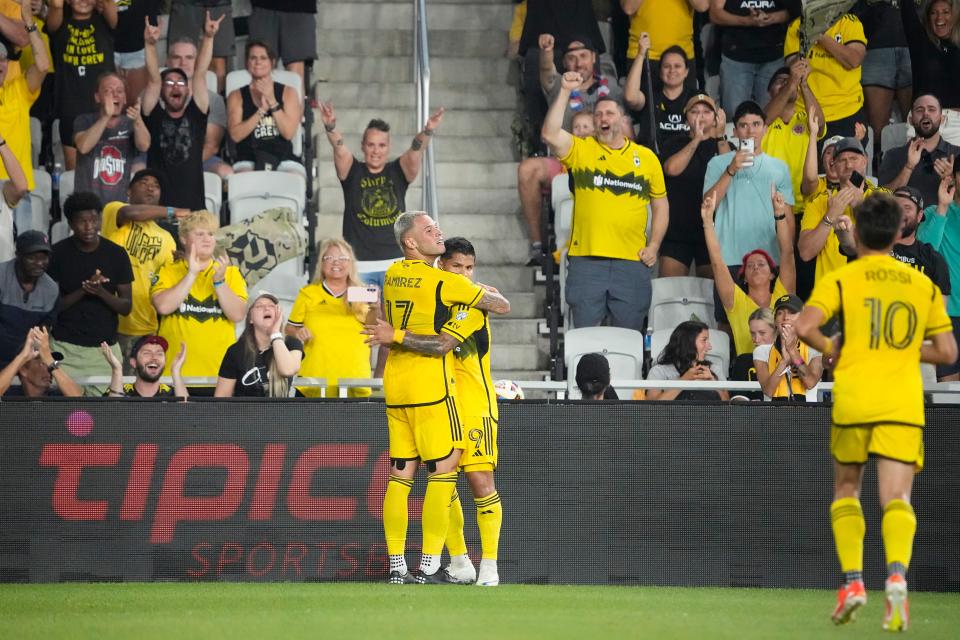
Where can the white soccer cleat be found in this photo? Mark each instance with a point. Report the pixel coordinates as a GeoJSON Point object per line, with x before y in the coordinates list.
{"type": "Point", "coordinates": [462, 570]}
{"type": "Point", "coordinates": [488, 576]}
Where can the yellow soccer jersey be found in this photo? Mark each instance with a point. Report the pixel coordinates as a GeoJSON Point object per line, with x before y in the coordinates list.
{"type": "Point", "coordinates": [15, 101]}
{"type": "Point", "coordinates": [149, 247]}
{"type": "Point", "coordinates": [612, 188]}
{"type": "Point", "coordinates": [199, 321]}
{"type": "Point", "coordinates": [838, 90]}
{"type": "Point", "coordinates": [887, 309]}
{"type": "Point", "coordinates": [829, 259]}
{"type": "Point", "coordinates": [788, 141]}
{"type": "Point", "coordinates": [336, 349]}
{"type": "Point", "coordinates": [418, 297]}
{"type": "Point", "coordinates": [475, 393]}
{"type": "Point", "coordinates": [668, 22]}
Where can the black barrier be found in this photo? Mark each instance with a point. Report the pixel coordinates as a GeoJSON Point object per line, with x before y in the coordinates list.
{"type": "Point", "coordinates": [593, 493]}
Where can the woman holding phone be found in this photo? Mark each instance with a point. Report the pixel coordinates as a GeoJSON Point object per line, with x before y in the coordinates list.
{"type": "Point", "coordinates": [329, 323]}
{"type": "Point", "coordinates": [685, 358]}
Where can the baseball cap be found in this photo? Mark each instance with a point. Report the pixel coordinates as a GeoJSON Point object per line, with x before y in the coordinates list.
{"type": "Point", "coordinates": [831, 142]}
{"type": "Point", "coordinates": [849, 144]}
{"type": "Point", "coordinates": [169, 70]}
{"type": "Point", "coordinates": [146, 173]}
{"type": "Point", "coordinates": [700, 97]}
{"type": "Point", "coordinates": [144, 341]}
{"type": "Point", "coordinates": [31, 242]}
{"type": "Point", "coordinates": [910, 193]}
{"type": "Point", "coordinates": [789, 301]}
{"type": "Point", "coordinates": [593, 372]}
{"type": "Point", "coordinates": [585, 43]}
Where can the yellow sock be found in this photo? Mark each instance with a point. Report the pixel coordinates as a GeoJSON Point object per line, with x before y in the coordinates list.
{"type": "Point", "coordinates": [849, 527]}
{"type": "Point", "coordinates": [395, 514]}
{"type": "Point", "coordinates": [489, 519]}
{"type": "Point", "coordinates": [456, 544]}
{"type": "Point", "coordinates": [436, 511]}
{"type": "Point", "coordinates": [899, 525]}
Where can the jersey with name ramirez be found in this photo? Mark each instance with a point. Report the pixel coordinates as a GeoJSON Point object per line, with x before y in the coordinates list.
{"type": "Point", "coordinates": [612, 188]}
{"type": "Point", "coordinates": [417, 298]}
{"type": "Point", "coordinates": [475, 394]}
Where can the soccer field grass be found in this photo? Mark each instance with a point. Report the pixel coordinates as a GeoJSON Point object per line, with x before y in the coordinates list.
{"type": "Point", "coordinates": [317, 611]}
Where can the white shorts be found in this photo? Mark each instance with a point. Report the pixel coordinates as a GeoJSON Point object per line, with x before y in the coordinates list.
{"type": "Point", "coordinates": [130, 59]}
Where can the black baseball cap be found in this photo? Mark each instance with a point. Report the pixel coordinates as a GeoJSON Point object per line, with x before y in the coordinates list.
{"type": "Point", "coordinates": [147, 173]}
{"type": "Point", "coordinates": [593, 372]}
{"type": "Point", "coordinates": [910, 193]}
{"type": "Point", "coordinates": [849, 144]}
{"type": "Point", "coordinates": [32, 241]}
{"type": "Point", "coordinates": [789, 301]}
{"type": "Point", "coordinates": [585, 43]}
{"type": "Point", "coordinates": [169, 70]}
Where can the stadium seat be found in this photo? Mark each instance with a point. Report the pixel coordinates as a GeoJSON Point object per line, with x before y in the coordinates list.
{"type": "Point", "coordinates": [213, 192]}
{"type": "Point", "coordinates": [241, 78]}
{"type": "Point", "coordinates": [675, 300]}
{"type": "Point", "coordinates": [623, 348]}
{"type": "Point", "coordinates": [892, 136]}
{"type": "Point", "coordinates": [66, 186]}
{"type": "Point", "coordinates": [59, 231]}
{"type": "Point", "coordinates": [718, 354]}
{"type": "Point", "coordinates": [40, 199]}
{"type": "Point", "coordinates": [251, 192]}
{"type": "Point", "coordinates": [560, 190]}
{"type": "Point", "coordinates": [562, 202]}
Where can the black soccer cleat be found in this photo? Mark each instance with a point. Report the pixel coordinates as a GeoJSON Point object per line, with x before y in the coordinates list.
{"type": "Point", "coordinates": [441, 576]}
{"type": "Point", "coordinates": [401, 578]}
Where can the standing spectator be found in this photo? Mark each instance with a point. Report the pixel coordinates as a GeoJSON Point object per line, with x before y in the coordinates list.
{"type": "Point", "coordinates": [178, 128]}
{"type": "Point", "coordinates": [28, 296]}
{"type": "Point", "coordinates": [94, 275]}
{"type": "Point", "coordinates": [329, 325]}
{"type": "Point", "coordinates": [374, 190]}
{"type": "Point", "coordinates": [199, 298]}
{"type": "Point", "coordinates": [135, 227]}
{"type": "Point", "coordinates": [669, 97]}
{"type": "Point", "coordinates": [11, 194]}
{"type": "Point", "coordinates": [262, 362]}
{"type": "Point", "coordinates": [191, 19]}
{"type": "Point", "coordinates": [109, 141]}
{"type": "Point", "coordinates": [264, 116]}
{"type": "Point", "coordinates": [38, 368]}
{"type": "Point", "coordinates": [611, 256]}
{"type": "Point", "coordinates": [935, 57]}
{"type": "Point", "coordinates": [835, 72]}
{"type": "Point", "coordinates": [788, 368]}
{"type": "Point", "coordinates": [147, 360]}
{"type": "Point", "coordinates": [669, 23]}
{"type": "Point", "coordinates": [81, 37]}
{"type": "Point", "coordinates": [752, 44]}
{"type": "Point", "coordinates": [182, 54]}
{"type": "Point", "coordinates": [128, 49]}
{"type": "Point", "coordinates": [685, 358]}
{"type": "Point", "coordinates": [288, 27]}
{"type": "Point", "coordinates": [926, 159]}
{"type": "Point", "coordinates": [684, 167]}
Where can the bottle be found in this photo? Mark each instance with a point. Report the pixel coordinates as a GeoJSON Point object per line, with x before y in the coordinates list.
{"type": "Point", "coordinates": [55, 176]}
{"type": "Point", "coordinates": [647, 351]}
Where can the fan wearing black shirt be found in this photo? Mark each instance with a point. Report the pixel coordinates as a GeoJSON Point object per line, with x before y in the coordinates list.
{"type": "Point", "coordinates": [668, 99]}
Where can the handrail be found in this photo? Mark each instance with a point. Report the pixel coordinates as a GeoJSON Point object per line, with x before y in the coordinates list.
{"type": "Point", "coordinates": [421, 76]}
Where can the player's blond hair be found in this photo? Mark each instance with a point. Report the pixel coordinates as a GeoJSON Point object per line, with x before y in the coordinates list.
{"type": "Point", "coordinates": [201, 219]}
{"type": "Point", "coordinates": [404, 224]}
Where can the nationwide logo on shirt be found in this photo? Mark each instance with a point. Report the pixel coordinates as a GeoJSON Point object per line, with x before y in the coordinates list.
{"type": "Point", "coordinates": [200, 310]}
{"type": "Point", "coordinates": [109, 167]}
{"type": "Point", "coordinates": [629, 184]}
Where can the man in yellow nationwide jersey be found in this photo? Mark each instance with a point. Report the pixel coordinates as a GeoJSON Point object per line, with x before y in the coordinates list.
{"type": "Point", "coordinates": [887, 311]}
{"type": "Point", "coordinates": [614, 180]}
{"type": "Point", "coordinates": [419, 387]}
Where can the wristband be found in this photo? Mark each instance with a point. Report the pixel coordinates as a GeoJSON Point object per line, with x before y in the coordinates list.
{"type": "Point", "coordinates": [170, 213]}
{"type": "Point", "coordinates": [53, 366]}
{"type": "Point", "coordinates": [217, 283]}
{"type": "Point", "coordinates": [2, 142]}
{"type": "Point", "coordinates": [398, 335]}
{"type": "Point", "coordinates": [780, 217]}
{"type": "Point", "coordinates": [727, 171]}
{"type": "Point", "coordinates": [827, 221]}
{"type": "Point", "coordinates": [427, 132]}
{"type": "Point", "coordinates": [31, 28]}
{"type": "Point", "coordinates": [114, 392]}
{"type": "Point", "coordinates": [276, 336]}
{"type": "Point", "coordinates": [330, 128]}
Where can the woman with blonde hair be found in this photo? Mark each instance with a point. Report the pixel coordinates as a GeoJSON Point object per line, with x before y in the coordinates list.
{"type": "Point", "coordinates": [329, 325]}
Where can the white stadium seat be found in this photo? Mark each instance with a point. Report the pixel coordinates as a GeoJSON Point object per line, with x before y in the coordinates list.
{"type": "Point", "coordinates": [892, 136]}
{"type": "Point", "coordinates": [66, 186]}
{"type": "Point", "coordinates": [36, 138]}
{"type": "Point", "coordinates": [675, 300]}
{"type": "Point", "coordinates": [212, 192]}
{"type": "Point", "coordinates": [623, 349]}
{"type": "Point", "coordinates": [252, 192]}
{"type": "Point", "coordinates": [40, 199]}
{"type": "Point", "coordinates": [719, 354]}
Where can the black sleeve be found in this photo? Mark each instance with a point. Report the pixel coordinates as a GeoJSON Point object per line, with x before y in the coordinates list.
{"type": "Point", "coordinates": [892, 163]}
{"type": "Point", "coordinates": [121, 268]}
{"type": "Point", "coordinates": [53, 269]}
{"type": "Point", "coordinates": [941, 276]}
{"type": "Point", "coordinates": [231, 367]}
{"type": "Point", "coordinates": [293, 343]}
{"type": "Point", "coordinates": [912, 27]}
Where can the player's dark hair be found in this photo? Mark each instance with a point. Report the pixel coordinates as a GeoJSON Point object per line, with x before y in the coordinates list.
{"type": "Point", "coordinates": [457, 245]}
{"type": "Point", "coordinates": [681, 349]}
{"type": "Point", "coordinates": [609, 98]}
{"type": "Point", "coordinates": [878, 221]}
{"type": "Point", "coordinates": [259, 43]}
{"type": "Point", "coordinates": [81, 201]}
{"type": "Point", "coordinates": [748, 108]}
{"type": "Point", "coordinates": [676, 50]}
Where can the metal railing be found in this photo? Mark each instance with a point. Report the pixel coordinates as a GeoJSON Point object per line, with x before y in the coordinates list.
{"type": "Point", "coordinates": [421, 78]}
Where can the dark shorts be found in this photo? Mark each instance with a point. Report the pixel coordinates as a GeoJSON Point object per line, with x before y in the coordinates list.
{"type": "Point", "coordinates": [844, 127]}
{"type": "Point", "coordinates": [292, 36]}
{"type": "Point", "coordinates": [950, 369]}
{"type": "Point", "coordinates": [187, 20]}
{"type": "Point", "coordinates": [685, 252]}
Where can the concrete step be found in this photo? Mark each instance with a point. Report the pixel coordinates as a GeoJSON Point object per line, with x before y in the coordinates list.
{"type": "Point", "coordinates": [447, 148]}
{"type": "Point", "coordinates": [473, 175]}
{"type": "Point", "coordinates": [452, 200]}
{"type": "Point", "coordinates": [440, 16]}
{"type": "Point", "coordinates": [507, 277]}
{"type": "Point", "coordinates": [456, 121]}
{"type": "Point", "coordinates": [511, 330]}
{"type": "Point", "coordinates": [518, 356]}
{"type": "Point", "coordinates": [507, 250]}
{"type": "Point", "coordinates": [359, 68]}
{"type": "Point", "coordinates": [396, 42]}
{"type": "Point", "coordinates": [401, 95]}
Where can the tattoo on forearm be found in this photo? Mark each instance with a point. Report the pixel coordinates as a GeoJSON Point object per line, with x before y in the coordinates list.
{"type": "Point", "coordinates": [492, 302]}
{"type": "Point", "coordinates": [428, 345]}
{"type": "Point", "coordinates": [416, 145]}
{"type": "Point", "coordinates": [339, 142]}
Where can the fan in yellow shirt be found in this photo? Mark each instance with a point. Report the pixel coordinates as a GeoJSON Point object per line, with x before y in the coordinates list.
{"type": "Point", "coordinates": [669, 22]}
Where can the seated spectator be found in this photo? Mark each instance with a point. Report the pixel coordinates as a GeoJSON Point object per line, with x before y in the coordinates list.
{"type": "Point", "coordinates": [108, 141]}
{"type": "Point", "coordinates": [834, 78]}
{"type": "Point", "coordinates": [18, 92]}
{"type": "Point", "coordinates": [685, 358]}
{"type": "Point", "coordinates": [817, 233]}
{"type": "Point", "coordinates": [934, 43]}
{"type": "Point", "coordinates": [148, 359]}
{"type": "Point", "coordinates": [38, 368]}
{"type": "Point", "coordinates": [374, 190]}
{"type": "Point", "coordinates": [670, 96]}
{"type": "Point", "coordinates": [182, 54]}
{"type": "Point", "coordinates": [763, 331]}
{"type": "Point", "coordinates": [788, 368]}
{"type": "Point", "coordinates": [752, 40]}
{"type": "Point", "coordinates": [85, 26]}
{"type": "Point", "coordinates": [263, 117]}
{"type": "Point", "coordinates": [128, 53]}
{"type": "Point", "coordinates": [28, 296]}
{"type": "Point", "coordinates": [925, 160]}
{"type": "Point", "coordinates": [199, 298]}
{"type": "Point", "coordinates": [262, 362]}
{"type": "Point", "coordinates": [684, 167]}
{"type": "Point", "coordinates": [758, 282]}
{"type": "Point", "coordinates": [669, 23]}
{"type": "Point", "coordinates": [191, 18]}
{"type": "Point", "coordinates": [593, 377]}
{"type": "Point", "coordinates": [11, 193]}
{"type": "Point", "coordinates": [534, 178]}
{"type": "Point", "coordinates": [94, 275]}
{"type": "Point", "coordinates": [329, 325]}
{"type": "Point", "coordinates": [135, 227]}
{"type": "Point", "coordinates": [289, 27]}
{"type": "Point", "coordinates": [178, 127]}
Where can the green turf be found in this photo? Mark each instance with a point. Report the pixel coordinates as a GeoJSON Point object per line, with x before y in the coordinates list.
{"type": "Point", "coordinates": [320, 611]}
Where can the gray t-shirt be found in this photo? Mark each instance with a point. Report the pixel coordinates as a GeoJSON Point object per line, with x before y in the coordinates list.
{"type": "Point", "coordinates": [603, 87]}
{"type": "Point", "coordinates": [105, 169]}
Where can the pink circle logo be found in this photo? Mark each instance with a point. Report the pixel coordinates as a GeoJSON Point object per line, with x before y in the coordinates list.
{"type": "Point", "coordinates": [80, 423]}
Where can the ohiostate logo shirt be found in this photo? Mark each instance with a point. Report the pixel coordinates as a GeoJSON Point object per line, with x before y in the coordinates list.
{"type": "Point", "coordinates": [109, 167]}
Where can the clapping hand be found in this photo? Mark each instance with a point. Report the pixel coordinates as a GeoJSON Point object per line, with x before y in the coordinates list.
{"type": "Point", "coordinates": [177, 364]}
{"type": "Point", "coordinates": [133, 112]}
{"type": "Point", "coordinates": [94, 284]}
{"type": "Point", "coordinates": [944, 166]}
{"type": "Point", "coordinates": [220, 269]}
{"type": "Point", "coordinates": [945, 193]}
{"type": "Point", "coordinates": [914, 151]}
{"type": "Point", "coordinates": [110, 357]}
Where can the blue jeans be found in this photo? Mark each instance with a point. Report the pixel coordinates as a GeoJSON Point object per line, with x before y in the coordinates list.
{"type": "Point", "coordinates": [741, 81]}
{"type": "Point", "coordinates": [601, 287]}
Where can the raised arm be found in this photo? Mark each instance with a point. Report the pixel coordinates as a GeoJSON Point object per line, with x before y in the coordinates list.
{"type": "Point", "coordinates": [116, 371]}
{"type": "Point", "coordinates": [412, 158]}
{"type": "Point", "coordinates": [850, 56]}
{"type": "Point", "coordinates": [553, 134]}
{"type": "Point", "coordinates": [811, 170]}
{"type": "Point", "coordinates": [147, 212]}
{"type": "Point", "coordinates": [781, 219]}
{"type": "Point", "coordinates": [41, 61]}
{"type": "Point", "coordinates": [176, 369]}
{"type": "Point", "coordinates": [68, 387]}
{"type": "Point", "coordinates": [721, 275]}
{"type": "Point", "coordinates": [633, 93]}
{"type": "Point", "coordinates": [342, 158]}
{"type": "Point", "coordinates": [547, 66]}
{"type": "Point", "coordinates": [54, 15]}
{"type": "Point", "coordinates": [200, 96]}
{"type": "Point", "coordinates": [151, 93]}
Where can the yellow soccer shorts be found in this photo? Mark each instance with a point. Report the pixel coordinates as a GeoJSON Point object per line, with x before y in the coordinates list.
{"type": "Point", "coordinates": [479, 444]}
{"type": "Point", "coordinates": [429, 432]}
{"type": "Point", "coordinates": [853, 445]}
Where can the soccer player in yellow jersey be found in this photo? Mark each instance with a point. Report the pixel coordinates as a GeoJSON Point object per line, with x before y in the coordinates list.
{"type": "Point", "coordinates": [887, 311]}
{"type": "Point", "coordinates": [420, 385]}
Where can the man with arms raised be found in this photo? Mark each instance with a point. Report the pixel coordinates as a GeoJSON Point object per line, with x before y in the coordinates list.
{"type": "Point", "coordinates": [148, 358]}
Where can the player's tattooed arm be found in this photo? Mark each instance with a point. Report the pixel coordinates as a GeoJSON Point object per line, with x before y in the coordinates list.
{"type": "Point", "coordinates": [493, 301]}
{"type": "Point", "coordinates": [429, 345]}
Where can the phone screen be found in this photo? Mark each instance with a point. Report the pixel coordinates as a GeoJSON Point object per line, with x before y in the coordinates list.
{"type": "Point", "coordinates": [856, 179]}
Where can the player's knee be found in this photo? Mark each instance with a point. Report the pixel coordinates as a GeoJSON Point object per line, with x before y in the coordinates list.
{"type": "Point", "coordinates": [444, 465]}
{"type": "Point", "coordinates": [481, 483]}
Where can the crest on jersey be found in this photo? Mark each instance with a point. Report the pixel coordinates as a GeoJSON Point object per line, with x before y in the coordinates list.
{"type": "Point", "coordinates": [461, 315]}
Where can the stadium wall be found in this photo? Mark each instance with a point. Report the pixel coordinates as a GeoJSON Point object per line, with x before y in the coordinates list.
{"type": "Point", "coordinates": [594, 493]}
